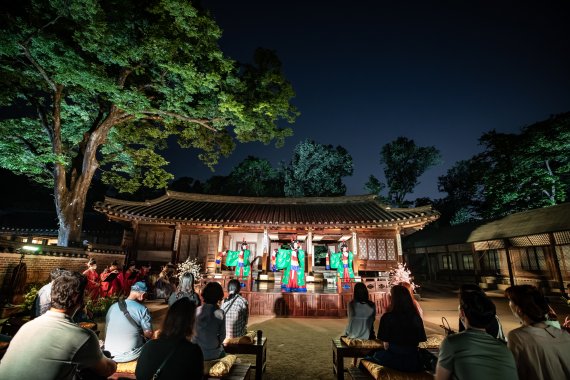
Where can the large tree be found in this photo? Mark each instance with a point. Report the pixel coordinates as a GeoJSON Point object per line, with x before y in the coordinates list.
{"type": "Point", "coordinates": [255, 177]}
{"type": "Point", "coordinates": [404, 162]}
{"type": "Point", "coordinates": [317, 170]}
{"type": "Point", "coordinates": [102, 84]}
{"type": "Point", "coordinates": [527, 170]}
{"type": "Point", "coordinates": [514, 172]}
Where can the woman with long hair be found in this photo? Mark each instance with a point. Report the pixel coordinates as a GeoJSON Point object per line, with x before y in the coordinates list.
{"type": "Point", "coordinates": [179, 358]}
{"type": "Point", "coordinates": [401, 329]}
{"type": "Point", "coordinates": [361, 314]}
{"type": "Point", "coordinates": [541, 351]}
{"type": "Point", "coordinates": [185, 289]}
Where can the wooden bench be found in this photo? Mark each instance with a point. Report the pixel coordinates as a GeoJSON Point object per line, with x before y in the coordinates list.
{"type": "Point", "coordinates": [238, 372]}
{"type": "Point", "coordinates": [259, 350]}
{"type": "Point", "coordinates": [341, 351]}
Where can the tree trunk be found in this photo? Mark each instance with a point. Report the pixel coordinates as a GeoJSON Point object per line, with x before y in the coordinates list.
{"type": "Point", "coordinates": [70, 217]}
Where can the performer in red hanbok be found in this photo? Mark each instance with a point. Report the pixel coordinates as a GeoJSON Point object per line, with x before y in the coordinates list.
{"type": "Point", "coordinates": [128, 277]}
{"type": "Point", "coordinates": [110, 284]}
{"type": "Point", "coordinates": [93, 288]}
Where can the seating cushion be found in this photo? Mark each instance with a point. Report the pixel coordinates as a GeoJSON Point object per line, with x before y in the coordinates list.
{"type": "Point", "coordinates": [246, 339]}
{"type": "Point", "coordinates": [433, 341]}
{"type": "Point", "coordinates": [364, 343]}
{"type": "Point", "coordinates": [127, 367]}
{"type": "Point", "coordinates": [379, 372]}
{"type": "Point", "coordinates": [222, 366]}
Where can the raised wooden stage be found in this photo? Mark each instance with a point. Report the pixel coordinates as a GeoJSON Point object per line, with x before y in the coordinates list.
{"type": "Point", "coordinates": [266, 298]}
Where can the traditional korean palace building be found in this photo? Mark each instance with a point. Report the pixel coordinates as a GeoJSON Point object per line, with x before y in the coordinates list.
{"type": "Point", "coordinates": [530, 247]}
{"type": "Point", "coordinates": [178, 226]}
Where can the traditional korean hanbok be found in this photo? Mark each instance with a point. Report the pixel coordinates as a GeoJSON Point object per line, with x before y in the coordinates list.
{"type": "Point", "coordinates": [293, 263]}
{"type": "Point", "coordinates": [93, 287]}
{"type": "Point", "coordinates": [239, 259]}
{"type": "Point", "coordinates": [342, 262]}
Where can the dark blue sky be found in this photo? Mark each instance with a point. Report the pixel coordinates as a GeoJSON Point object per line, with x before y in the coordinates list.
{"type": "Point", "coordinates": [366, 72]}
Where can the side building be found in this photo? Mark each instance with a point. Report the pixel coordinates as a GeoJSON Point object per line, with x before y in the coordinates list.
{"type": "Point", "coordinates": [530, 247]}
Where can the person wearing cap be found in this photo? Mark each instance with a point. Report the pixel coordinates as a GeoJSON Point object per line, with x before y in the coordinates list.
{"type": "Point", "coordinates": [93, 285]}
{"type": "Point", "coordinates": [129, 325]}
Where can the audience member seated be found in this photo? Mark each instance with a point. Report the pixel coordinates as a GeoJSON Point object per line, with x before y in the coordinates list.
{"type": "Point", "coordinates": [42, 301]}
{"type": "Point", "coordinates": [473, 354]}
{"type": "Point", "coordinates": [410, 288]}
{"type": "Point", "coordinates": [210, 322]}
{"type": "Point", "coordinates": [179, 358]}
{"type": "Point", "coordinates": [51, 346]}
{"type": "Point", "coordinates": [541, 351]}
{"type": "Point", "coordinates": [361, 314]}
{"type": "Point", "coordinates": [236, 311]}
{"type": "Point", "coordinates": [128, 325]}
{"type": "Point", "coordinates": [495, 329]}
{"type": "Point", "coordinates": [185, 290]}
{"type": "Point", "coordinates": [401, 329]}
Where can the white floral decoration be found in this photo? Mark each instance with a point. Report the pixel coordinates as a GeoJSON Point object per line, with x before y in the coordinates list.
{"type": "Point", "coordinates": [402, 274]}
{"type": "Point", "coordinates": [190, 265]}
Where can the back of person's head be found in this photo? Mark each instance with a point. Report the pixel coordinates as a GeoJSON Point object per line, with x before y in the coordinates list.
{"type": "Point", "coordinates": [179, 321]}
{"type": "Point", "coordinates": [186, 283]}
{"type": "Point", "coordinates": [408, 286]}
{"type": "Point", "coordinates": [401, 301]}
{"type": "Point", "coordinates": [478, 308]}
{"type": "Point", "coordinates": [466, 288]}
{"type": "Point", "coordinates": [56, 272]}
{"type": "Point", "coordinates": [67, 290]}
{"type": "Point", "coordinates": [233, 288]}
{"type": "Point", "coordinates": [528, 300]}
{"type": "Point", "coordinates": [360, 292]}
{"type": "Point", "coordinates": [212, 293]}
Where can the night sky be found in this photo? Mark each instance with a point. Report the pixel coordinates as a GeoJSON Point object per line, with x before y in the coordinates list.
{"type": "Point", "coordinates": [366, 72]}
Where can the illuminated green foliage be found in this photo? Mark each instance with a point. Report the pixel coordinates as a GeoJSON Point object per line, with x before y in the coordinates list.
{"type": "Point", "coordinates": [102, 84]}
{"type": "Point", "coordinates": [515, 172]}
{"type": "Point", "coordinates": [404, 162]}
{"type": "Point", "coordinates": [317, 170]}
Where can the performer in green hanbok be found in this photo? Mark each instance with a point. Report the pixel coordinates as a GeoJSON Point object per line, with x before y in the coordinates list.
{"type": "Point", "coordinates": [342, 262]}
{"type": "Point", "coordinates": [293, 262]}
{"type": "Point", "coordinates": [239, 259]}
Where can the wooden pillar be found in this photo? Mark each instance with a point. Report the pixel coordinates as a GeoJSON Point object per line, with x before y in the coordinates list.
{"type": "Point", "coordinates": [135, 245]}
{"type": "Point", "coordinates": [265, 253]}
{"type": "Point", "coordinates": [428, 263]}
{"type": "Point", "coordinates": [355, 259]}
{"type": "Point", "coordinates": [310, 251]}
{"type": "Point", "coordinates": [509, 263]}
{"type": "Point", "coordinates": [176, 243]}
{"type": "Point", "coordinates": [476, 263]}
{"type": "Point", "coordinates": [554, 257]}
{"type": "Point", "coordinates": [220, 249]}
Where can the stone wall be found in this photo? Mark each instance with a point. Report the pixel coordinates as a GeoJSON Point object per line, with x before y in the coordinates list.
{"type": "Point", "coordinates": [39, 266]}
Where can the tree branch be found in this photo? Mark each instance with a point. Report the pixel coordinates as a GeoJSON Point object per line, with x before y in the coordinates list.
{"type": "Point", "coordinates": [40, 29]}
{"type": "Point", "coordinates": [202, 122]}
{"type": "Point", "coordinates": [40, 69]}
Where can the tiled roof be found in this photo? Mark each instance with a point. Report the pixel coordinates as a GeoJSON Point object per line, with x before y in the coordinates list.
{"type": "Point", "coordinates": [175, 207]}
{"type": "Point", "coordinates": [45, 222]}
{"type": "Point", "coordinates": [531, 222]}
